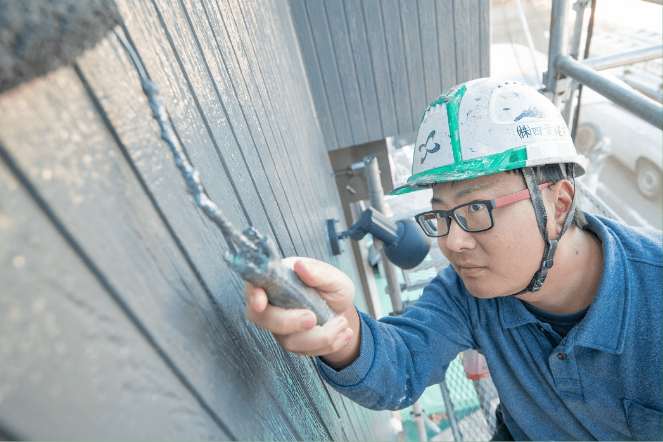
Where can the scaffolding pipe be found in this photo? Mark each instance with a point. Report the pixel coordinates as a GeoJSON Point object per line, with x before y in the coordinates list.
{"type": "Point", "coordinates": [625, 58]}
{"type": "Point", "coordinates": [574, 50]}
{"type": "Point", "coordinates": [579, 6]}
{"type": "Point", "coordinates": [418, 418]}
{"type": "Point", "coordinates": [618, 92]}
{"type": "Point", "coordinates": [588, 41]}
{"type": "Point", "coordinates": [432, 425]}
{"type": "Point", "coordinates": [451, 413]}
{"type": "Point", "coordinates": [376, 195]}
{"type": "Point", "coordinates": [557, 46]}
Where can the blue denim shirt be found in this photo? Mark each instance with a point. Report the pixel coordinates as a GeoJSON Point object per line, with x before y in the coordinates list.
{"type": "Point", "coordinates": [603, 381]}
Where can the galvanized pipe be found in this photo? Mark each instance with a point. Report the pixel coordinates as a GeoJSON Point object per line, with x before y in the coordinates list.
{"type": "Point", "coordinates": [588, 41]}
{"type": "Point", "coordinates": [375, 191]}
{"type": "Point", "coordinates": [621, 94]}
{"type": "Point", "coordinates": [432, 425]}
{"type": "Point", "coordinates": [451, 413]}
{"type": "Point", "coordinates": [557, 45]}
{"type": "Point", "coordinates": [574, 50]}
{"type": "Point", "coordinates": [418, 418]}
{"type": "Point", "coordinates": [625, 58]}
{"type": "Point", "coordinates": [376, 196]}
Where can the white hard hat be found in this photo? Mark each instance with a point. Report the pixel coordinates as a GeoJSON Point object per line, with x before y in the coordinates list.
{"type": "Point", "coordinates": [487, 126]}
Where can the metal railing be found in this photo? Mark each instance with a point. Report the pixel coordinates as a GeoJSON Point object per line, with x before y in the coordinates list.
{"type": "Point", "coordinates": [562, 68]}
{"type": "Point", "coordinates": [625, 58]}
{"type": "Point", "coordinates": [613, 89]}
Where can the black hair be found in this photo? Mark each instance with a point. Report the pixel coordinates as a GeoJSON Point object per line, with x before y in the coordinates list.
{"type": "Point", "coordinates": [552, 173]}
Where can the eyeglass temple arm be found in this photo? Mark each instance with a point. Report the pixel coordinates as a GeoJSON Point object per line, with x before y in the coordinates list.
{"type": "Point", "coordinates": [518, 196]}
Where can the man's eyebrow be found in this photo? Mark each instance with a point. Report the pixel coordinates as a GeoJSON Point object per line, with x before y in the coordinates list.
{"type": "Point", "coordinates": [471, 189]}
{"type": "Point", "coordinates": [468, 190]}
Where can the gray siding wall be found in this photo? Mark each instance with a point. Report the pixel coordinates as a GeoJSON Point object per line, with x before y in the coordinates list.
{"type": "Point", "coordinates": [118, 318]}
{"type": "Point", "coordinates": [374, 65]}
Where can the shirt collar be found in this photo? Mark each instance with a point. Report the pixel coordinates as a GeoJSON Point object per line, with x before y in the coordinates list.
{"type": "Point", "coordinates": [603, 327]}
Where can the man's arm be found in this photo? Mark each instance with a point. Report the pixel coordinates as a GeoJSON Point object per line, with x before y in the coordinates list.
{"type": "Point", "coordinates": [401, 356]}
{"type": "Point", "coordinates": [390, 363]}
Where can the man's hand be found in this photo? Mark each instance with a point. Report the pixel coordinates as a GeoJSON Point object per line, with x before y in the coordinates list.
{"type": "Point", "coordinates": [338, 341]}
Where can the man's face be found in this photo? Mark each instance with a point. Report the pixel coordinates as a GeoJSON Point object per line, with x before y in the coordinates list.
{"type": "Point", "coordinates": [500, 261]}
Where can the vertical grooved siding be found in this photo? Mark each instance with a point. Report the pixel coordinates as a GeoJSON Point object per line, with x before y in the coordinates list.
{"type": "Point", "coordinates": [404, 55]}
{"type": "Point", "coordinates": [120, 316]}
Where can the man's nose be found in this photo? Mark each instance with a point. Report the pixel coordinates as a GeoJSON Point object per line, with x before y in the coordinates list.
{"type": "Point", "coordinates": [458, 239]}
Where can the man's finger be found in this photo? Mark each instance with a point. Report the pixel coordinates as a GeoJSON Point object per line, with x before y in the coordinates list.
{"type": "Point", "coordinates": [282, 321]}
{"type": "Point", "coordinates": [256, 297]}
{"type": "Point", "coordinates": [334, 286]}
{"type": "Point", "coordinates": [319, 274]}
{"type": "Point", "coordinates": [317, 341]}
{"type": "Point", "coordinates": [340, 342]}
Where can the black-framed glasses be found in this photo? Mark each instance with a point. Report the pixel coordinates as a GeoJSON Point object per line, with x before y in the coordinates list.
{"type": "Point", "coordinates": [475, 216]}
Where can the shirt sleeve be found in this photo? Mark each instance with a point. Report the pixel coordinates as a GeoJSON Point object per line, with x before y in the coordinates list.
{"type": "Point", "coordinates": [401, 356]}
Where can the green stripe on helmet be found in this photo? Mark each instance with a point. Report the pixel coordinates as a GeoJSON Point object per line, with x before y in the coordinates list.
{"type": "Point", "coordinates": [452, 99]}
{"type": "Point", "coordinates": [511, 159]}
{"type": "Point", "coordinates": [453, 104]}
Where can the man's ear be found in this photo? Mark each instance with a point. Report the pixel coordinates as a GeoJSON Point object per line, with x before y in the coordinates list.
{"type": "Point", "coordinates": [562, 197]}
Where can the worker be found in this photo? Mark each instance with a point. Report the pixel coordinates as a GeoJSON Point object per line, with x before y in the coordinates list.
{"type": "Point", "coordinates": [565, 306]}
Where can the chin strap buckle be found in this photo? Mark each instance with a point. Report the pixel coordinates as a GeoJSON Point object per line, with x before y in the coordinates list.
{"type": "Point", "coordinates": [548, 257]}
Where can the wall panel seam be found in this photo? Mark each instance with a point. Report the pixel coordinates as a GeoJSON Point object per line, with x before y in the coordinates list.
{"type": "Point", "coordinates": [261, 101]}
{"type": "Point", "coordinates": [439, 56]}
{"type": "Point", "coordinates": [269, 103]}
{"type": "Point", "coordinates": [103, 281]}
{"type": "Point", "coordinates": [354, 64]}
{"type": "Point", "coordinates": [415, 116]}
{"type": "Point", "coordinates": [316, 410]}
{"type": "Point", "coordinates": [223, 107]}
{"type": "Point", "coordinates": [199, 107]}
{"type": "Point", "coordinates": [232, 85]}
{"type": "Point", "coordinates": [453, 19]}
{"type": "Point", "coordinates": [317, 60]}
{"type": "Point", "coordinates": [338, 72]}
{"type": "Point", "coordinates": [391, 77]}
{"type": "Point", "coordinates": [217, 309]}
{"type": "Point", "coordinates": [370, 54]}
{"type": "Point", "coordinates": [407, 73]}
{"type": "Point", "coordinates": [334, 405]}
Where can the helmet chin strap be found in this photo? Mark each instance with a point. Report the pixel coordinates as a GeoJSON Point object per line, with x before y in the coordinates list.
{"type": "Point", "coordinates": [550, 245]}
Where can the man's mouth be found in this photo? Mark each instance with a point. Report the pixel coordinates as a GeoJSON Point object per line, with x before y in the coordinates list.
{"type": "Point", "coordinates": [467, 269]}
{"type": "Point", "coordinates": [468, 265]}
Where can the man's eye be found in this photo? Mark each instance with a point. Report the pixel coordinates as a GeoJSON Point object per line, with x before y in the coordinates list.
{"type": "Point", "coordinates": [477, 207]}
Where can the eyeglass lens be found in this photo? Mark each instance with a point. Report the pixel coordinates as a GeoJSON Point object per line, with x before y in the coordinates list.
{"type": "Point", "coordinates": [472, 218]}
